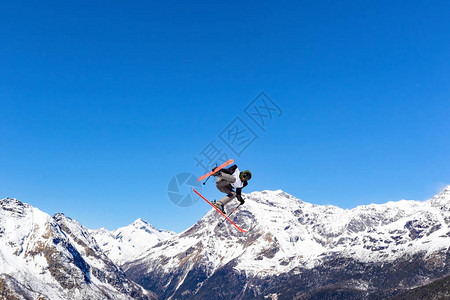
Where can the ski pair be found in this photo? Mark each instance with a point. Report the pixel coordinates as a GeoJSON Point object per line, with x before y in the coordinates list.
{"type": "Point", "coordinates": [242, 230]}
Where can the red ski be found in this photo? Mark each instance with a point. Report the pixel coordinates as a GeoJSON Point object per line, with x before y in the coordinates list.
{"type": "Point", "coordinates": [220, 211]}
{"type": "Point", "coordinates": [228, 162]}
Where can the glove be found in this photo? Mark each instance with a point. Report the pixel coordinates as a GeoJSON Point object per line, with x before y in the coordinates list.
{"type": "Point", "coordinates": [241, 200]}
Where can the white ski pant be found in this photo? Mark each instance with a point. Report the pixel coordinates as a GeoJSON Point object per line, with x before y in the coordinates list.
{"type": "Point", "coordinates": [223, 184]}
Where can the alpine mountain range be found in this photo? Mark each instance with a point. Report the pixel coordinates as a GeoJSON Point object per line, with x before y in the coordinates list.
{"type": "Point", "coordinates": [292, 250]}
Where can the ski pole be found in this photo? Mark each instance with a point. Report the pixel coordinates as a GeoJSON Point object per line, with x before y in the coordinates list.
{"type": "Point", "coordinates": [209, 176]}
{"type": "Point", "coordinates": [206, 180]}
{"type": "Point", "coordinates": [229, 215]}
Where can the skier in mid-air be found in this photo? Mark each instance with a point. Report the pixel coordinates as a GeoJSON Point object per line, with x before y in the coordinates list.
{"type": "Point", "coordinates": [228, 180]}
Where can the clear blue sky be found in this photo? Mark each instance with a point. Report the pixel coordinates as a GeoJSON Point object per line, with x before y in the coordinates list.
{"type": "Point", "coordinates": [102, 102]}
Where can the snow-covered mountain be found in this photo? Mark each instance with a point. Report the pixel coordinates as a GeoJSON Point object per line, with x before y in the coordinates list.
{"type": "Point", "coordinates": [44, 257]}
{"type": "Point", "coordinates": [129, 242]}
{"type": "Point", "coordinates": [294, 249]}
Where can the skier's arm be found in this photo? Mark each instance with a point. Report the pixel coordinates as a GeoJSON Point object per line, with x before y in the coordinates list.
{"type": "Point", "coordinates": [238, 193]}
{"type": "Point", "coordinates": [229, 170]}
{"type": "Point", "coordinates": [239, 196]}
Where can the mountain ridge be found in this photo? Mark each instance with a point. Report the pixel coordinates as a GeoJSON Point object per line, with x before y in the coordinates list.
{"type": "Point", "coordinates": [289, 237]}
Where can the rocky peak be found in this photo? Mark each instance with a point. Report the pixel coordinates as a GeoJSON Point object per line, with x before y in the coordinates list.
{"type": "Point", "coordinates": [442, 199]}
{"type": "Point", "coordinates": [14, 206]}
{"type": "Point", "coordinates": [129, 242]}
{"type": "Point", "coordinates": [140, 222]}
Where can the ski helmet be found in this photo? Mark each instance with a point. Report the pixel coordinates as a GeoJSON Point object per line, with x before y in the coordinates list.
{"type": "Point", "coordinates": [245, 175]}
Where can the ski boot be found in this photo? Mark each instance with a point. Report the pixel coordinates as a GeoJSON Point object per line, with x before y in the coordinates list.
{"type": "Point", "coordinates": [219, 207]}
{"type": "Point", "coordinates": [217, 174]}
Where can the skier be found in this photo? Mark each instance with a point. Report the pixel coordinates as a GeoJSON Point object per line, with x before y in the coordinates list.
{"type": "Point", "coordinates": [230, 178]}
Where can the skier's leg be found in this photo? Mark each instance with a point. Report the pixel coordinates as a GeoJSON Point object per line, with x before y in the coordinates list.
{"type": "Point", "coordinates": [230, 194]}
{"type": "Point", "coordinates": [223, 184]}
{"type": "Point", "coordinates": [226, 177]}
{"type": "Point", "coordinates": [225, 200]}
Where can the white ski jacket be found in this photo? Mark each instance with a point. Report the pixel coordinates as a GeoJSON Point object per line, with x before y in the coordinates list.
{"type": "Point", "coordinates": [238, 184]}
